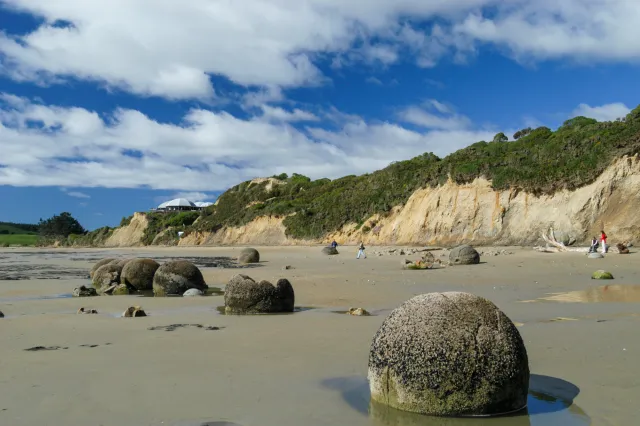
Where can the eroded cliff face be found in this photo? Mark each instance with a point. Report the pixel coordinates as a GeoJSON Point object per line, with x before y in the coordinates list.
{"type": "Point", "coordinates": [474, 213]}
{"type": "Point", "coordinates": [130, 235]}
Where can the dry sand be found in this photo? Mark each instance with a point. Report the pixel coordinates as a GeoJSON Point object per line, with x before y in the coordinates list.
{"type": "Point", "coordinates": [304, 368]}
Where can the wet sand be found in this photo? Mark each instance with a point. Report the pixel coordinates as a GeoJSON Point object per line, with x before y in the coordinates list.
{"type": "Point", "coordinates": [303, 368]}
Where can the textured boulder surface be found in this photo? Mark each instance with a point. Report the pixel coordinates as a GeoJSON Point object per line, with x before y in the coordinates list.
{"type": "Point", "coordinates": [602, 275]}
{"type": "Point", "coordinates": [83, 291]}
{"type": "Point", "coordinates": [596, 256]}
{"type": "Point", "coordinates": [120, 290]}
{"type": "Point", "coordinates": [100, 263]}
{"type": "Point", "coordinates": [449, 354]}
{"type": "Point", "coordinates": [193, 292]}
{"type": "Point", "coordinates": [133, 312]}
{"type": "Point", "coordinates": [464, 255]}
{"type": "Point", "coordinates": [622, 249]}
{"type": "Point", "coordinates": [106, 275]}
{"type": "Point", "coordinates": [329, 251]}
{"type": "Point", "coordinates": [138, 273]}
{"type": "Point", "coordinates": [176, 277]}
{"type": "Point", "coordinates": [249, 255]}
{"type": "Point", "coordinates": [122, 262]}
{"type": "Point", "coordinates": [242, 295]}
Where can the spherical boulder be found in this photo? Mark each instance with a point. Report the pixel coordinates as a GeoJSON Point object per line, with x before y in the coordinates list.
{"type": "Point", "coordinates": [138, 273]}
{"type": "Point", "coordinates": [596, 256]}
{"type": "Point", "coordinates": [100, 263]}
{"type": "Point", "coordinates": [449, 354]}
{"type": "Point", "coordinates": [464, 255]}
{"type": "Point", "coordinates": [329, 251]}
{"type": "Point", "coordinates": [122, 262]}
{"type": "Point", "coordinates": [602, 275]}
{"type": "Point", "coordinates": [193, 292]}
{"type": "Point", "coordinates": [622, 249]}
{"type": "Point", "coordinates": [242, 295]}
{"type": "Point", "coordinates": [249, 255]}
{"type": "Point", "coordinates": [106, 275]}
{"type": "Point", "coordinates": [176, 277]}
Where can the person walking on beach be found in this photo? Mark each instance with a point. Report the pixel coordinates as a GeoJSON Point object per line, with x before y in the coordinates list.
{"type": "Point", "coordinates": [361, 251]}
{"type": "Point", "coordinates": [594, 245]}
{"type": "Point", "coordinates": [603, 238]}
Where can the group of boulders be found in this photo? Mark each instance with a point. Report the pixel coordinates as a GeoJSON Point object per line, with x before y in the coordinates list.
{"type": "Point", "coordinates": [129, 276]}
{"type": "Point", "coordinates": [461, 255]}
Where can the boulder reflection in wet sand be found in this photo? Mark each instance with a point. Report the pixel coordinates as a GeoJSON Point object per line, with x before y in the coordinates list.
{"type": "Point", "coordinates": [603, 294]}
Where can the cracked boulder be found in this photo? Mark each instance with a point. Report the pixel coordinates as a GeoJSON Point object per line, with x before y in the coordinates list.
{"type": "Point", "coordinates": [106, 276]}
{"type": "Point", "coordinates": [176, 277]}
{"type": "Point", "coordinates": [449, 354]}
{"type": "Point", "coordinates": [242, 295]}
{"type": "Point", "coordinates": [100, 263]}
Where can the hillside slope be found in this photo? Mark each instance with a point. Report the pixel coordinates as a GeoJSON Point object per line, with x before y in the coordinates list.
{"type": "Point", "coordinates": [580, 178]}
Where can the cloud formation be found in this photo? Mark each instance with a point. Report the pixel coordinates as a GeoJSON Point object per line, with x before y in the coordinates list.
{"type": "Point", "coordinates": [608, 112]}
{"type": "Point", "coordinates": [169, 49]}
{"type": "Point", "coordinates": [208, 151]}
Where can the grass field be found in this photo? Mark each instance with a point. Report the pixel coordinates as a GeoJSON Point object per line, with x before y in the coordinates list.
{"type": "Point", "coordinates": [18, 239]}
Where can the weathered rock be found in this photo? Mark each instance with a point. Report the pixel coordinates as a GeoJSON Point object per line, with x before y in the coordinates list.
{"type": "Point", "coordinates": [176, 277]}
{"type": "Point", "coordinates": [106, 275]}
{"type": "Point", "coordinates": [449, 354]}
{"type": "Point", "coordinates": [87, 311]}
{"type": "Point", "coordinates": [596, 256]}
{"type": "Point", "coordinates": [249, 255]}
{"type": "Point", "coordinates": [622, 249]}
{"type": "Point", "coordinates": [358, 312]}
{"type": "Point", "coordinates": [138, 273]}
{"type": "Point", "coordinates": [122, 262]}
{"type": "Point", "coordinates": [1, 314]}
{"type": "Point", "coordinates": [100, 263]}
{"type": "Point", "coordinates": [329, 251]}
{"type": "Point", "coordinates": [287, 267]}
{"type": "Point", "coordinates": [602, 275]}
{"type": "Point", "coordinates": [83, 291]}
{"type": "Point", "coordinates": [242, 295]}
{"type": "Point", "coordinates": [134, 311]}
{"type": "Point", "coordinates": [120, 290]}
{"type": "Point", "coordinates": [464, 255]}
{"type": "Point", "coordinates": [193, 292]}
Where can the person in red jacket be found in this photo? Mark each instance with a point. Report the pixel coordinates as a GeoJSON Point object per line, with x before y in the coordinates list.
{"type": "Point", "coordinates": [603, 238]}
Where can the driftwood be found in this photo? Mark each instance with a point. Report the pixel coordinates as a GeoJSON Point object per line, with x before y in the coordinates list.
{"type": "Point", "coordinates": [555, 246]}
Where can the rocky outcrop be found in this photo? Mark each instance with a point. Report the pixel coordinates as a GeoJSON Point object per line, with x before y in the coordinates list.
{"type": "Point", "coordinates": [138, 273]}
{"type": "Point", "coordinates": [249, 255]}
{"type": "Point", "coordinates": [449, 354]}
{"type": "Point", "coordinates": [242, 295]}
{"type": "Point", "coordinates": [464, 255]}
{"type": "Point", "coordinates": [176, 277]}
{"type": "Point", "coordinates": [130, 235]}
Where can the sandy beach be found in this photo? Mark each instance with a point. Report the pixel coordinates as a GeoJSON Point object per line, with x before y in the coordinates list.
{"type": "Point", "coordinates": [308, 367]}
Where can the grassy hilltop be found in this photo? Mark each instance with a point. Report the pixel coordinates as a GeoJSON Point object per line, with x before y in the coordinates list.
{"type": "Point", "coordinates": [18, 234]}
{"type": "Point", "coordinates": [539, 161]}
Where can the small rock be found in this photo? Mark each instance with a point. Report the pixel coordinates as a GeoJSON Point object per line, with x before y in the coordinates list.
{"type": "Point", "coordinates": [358, 312]}
{"type": "Point", "coordinates": [87, 311]}
{"type": "Point", "coordinates": [601, 275]}
{"type": "Point", "coordinates": [284, 268]}
{"type": "Point", "coordinates": [134, 311]}
{"type": "Point", "coordinates": [193, 292]}
{"type": "Point", "coordinates": [110, 289]}
{"type": "Point", "coordinates": [596, 256]}
{"type": "Point", "coordinates": [84, 291]}
{"type": "Point", "coordinates": [1, 314]}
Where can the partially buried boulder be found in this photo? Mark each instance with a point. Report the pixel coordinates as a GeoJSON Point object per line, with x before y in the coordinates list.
{"type": "Point", "coordinates": [106, 276]}
{"type": "Point", "coordinates": [464, 255]}
{"type": "Point", "coordinates": [449, 354]}
{"type": "Point", "coordinates": [602, 275]}
{"type": "Point", "coordinates": [120, 290]}
{"type": "Point", "coordinates": [83, 291]}
{"type": "Point", "coordinates": [176, 277]}
{"type": "Point", "coordinates": [100, 263]}
{"type": "Point", "coordinates": [242, 295]}
{"type": "Point", "coordinates": [622, 249]}
{"type": "Point", "coordinates": [596, 256]}
{"type": "Point", "coordinates": [193, 292]}
{"type": "Point", "coordinates": [133, 312]}
{"type": "Point", "coordinates": [138, 273]}
{"type": "Point", "coordinates": [249, 255]}
{"type": "Point", "coordinates": [329, 251]}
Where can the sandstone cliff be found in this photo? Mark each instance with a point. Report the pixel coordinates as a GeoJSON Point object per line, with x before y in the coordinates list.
{"type": "Point", "coordinates": [475, 213]}
{"type": "Point", "coordinates": [130, 235]}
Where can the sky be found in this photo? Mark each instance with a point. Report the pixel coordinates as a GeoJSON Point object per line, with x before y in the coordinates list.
{"type": "Point", "coordinates": [113, 106]}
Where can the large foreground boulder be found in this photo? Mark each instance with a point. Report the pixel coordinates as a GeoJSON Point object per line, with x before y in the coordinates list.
{"type": "Point", "coordinates": [329, 251]}
{"type": "Point", "coordinates": [176, 277]}
{"type": "Point", "coordinates": [249, 255]}
{"type": "Point", "coordinates": [449, 354]}
{"type": "Point", "coordinates": [138, 273]}
{"type": "Point", "coordinates": [464, 255]}
{"type": "Point", "coordinates": [242, 295]}
{"type": "Point", "coordinates": [100, 263]}
{"type": "Point", "coordinates": [106, 276]}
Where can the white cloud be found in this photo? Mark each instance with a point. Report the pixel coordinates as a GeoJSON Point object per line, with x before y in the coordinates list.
{"type": "Point", "coordinates": [75, 194]}
{"type": "Point", "coordinates": [74, 147]}
{"type": "Point", "coordinates": [280, 114]}
{"type": "Point", "coordinates": [374, 80]}
{"type": "Point", "coordinates": [441, 116]}
{"type": "Point", "coordinates": [169, 48]}
{"type": "Point", "coordinates": [608, 112]}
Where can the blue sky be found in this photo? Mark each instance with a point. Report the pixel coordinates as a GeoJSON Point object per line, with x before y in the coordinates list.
{"type": "Point", "coordinates": [113, 106]}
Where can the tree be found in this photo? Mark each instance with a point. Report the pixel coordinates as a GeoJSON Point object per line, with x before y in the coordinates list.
{"type": "Point", "coordinates": [500, 137]}
{"type": "Point", "coordinates": [521, 133]}
{"type": "Point", "coordinates": [61, 225]}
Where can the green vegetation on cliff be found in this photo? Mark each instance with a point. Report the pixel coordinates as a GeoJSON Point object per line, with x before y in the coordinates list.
{"type": "Point", "coordinates": [540, 161]}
